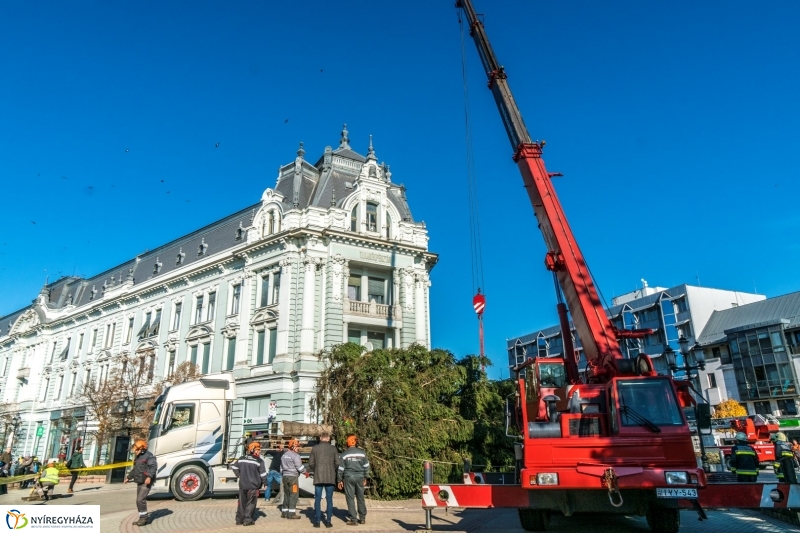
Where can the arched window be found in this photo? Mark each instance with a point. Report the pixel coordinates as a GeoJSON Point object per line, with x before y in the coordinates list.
{"type": "Point", "coordinates": [388, 225]}
{"type": "Point", "coordinates": [372, 216]}
{"type": "Point", "coordinates": [354, 219]}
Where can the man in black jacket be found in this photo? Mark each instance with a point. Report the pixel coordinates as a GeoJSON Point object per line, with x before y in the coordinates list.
{"type": "Point", "coordinates": [251, 472]}
{"type": "Point", "coordinates": [143, 474]}
{"type": "Point", "coordinates": [323, 464]}
{"type": "Point", "coordinates": [274, 474]}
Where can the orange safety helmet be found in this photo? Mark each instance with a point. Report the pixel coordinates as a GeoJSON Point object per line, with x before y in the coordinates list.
{"type": "Point", "coordinates": [140, 445]}
{"type": "Point", "coordinates": [351, 441]}
{"type": "Point", "coordinates": [254, 448]}
{"type": "Point", "coordinates": [293, 443]}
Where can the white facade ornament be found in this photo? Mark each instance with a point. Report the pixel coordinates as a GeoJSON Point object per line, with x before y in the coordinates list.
{"type": "Point", "coordinates": [408, 289]}
{"type": "Point", "coordinates": [26, 322]}
{"type": "Point", "coordinates": [338, 267]}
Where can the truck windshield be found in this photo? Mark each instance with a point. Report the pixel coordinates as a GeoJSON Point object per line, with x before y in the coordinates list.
{"type": "Point", "coordinates": [650, 399]}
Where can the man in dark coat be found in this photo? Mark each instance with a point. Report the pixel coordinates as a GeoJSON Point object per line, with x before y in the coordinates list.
{"type": "Point", "coordinates": [323, 464]}
{"type": "Point", "coordinates": [143, 474]}
{"type": "Point", "coordinates": [352, 477]}
{"type": "Point", "coordinates": [251, 472]}
{"type": "Point", "coordinates": [75, 463]}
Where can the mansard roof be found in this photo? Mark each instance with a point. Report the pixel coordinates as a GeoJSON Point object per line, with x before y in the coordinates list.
{"type": "Point", "coordinates": [330, 181]}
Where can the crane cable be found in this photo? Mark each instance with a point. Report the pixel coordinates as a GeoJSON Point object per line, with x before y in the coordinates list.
{"type": "Point", "coordinates": [478, 282]}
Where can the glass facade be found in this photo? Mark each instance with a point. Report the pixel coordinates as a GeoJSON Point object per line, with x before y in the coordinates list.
{"type": "Point", "coordinates": [761, 364]}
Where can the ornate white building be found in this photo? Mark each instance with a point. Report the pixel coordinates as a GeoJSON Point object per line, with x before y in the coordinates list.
{"type": "Point", "coordinates": [331, 254]}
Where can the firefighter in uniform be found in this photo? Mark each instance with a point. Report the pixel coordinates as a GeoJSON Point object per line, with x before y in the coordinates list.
{"type": "Point", "coordinates": [352, 477]}
{"type": "Point", "coordinates": [251, 472]}
{"type": "Point", "coordinates": [784, 459]}
{"type": "Point", "coordinates": [744, 461]}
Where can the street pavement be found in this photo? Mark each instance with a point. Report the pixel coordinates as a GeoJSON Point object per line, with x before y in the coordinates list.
{"type": "Point", "coordinates": [118, 512]}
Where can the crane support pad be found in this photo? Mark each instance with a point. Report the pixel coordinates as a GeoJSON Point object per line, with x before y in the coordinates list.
{"type": "Point", "coordinates": [713, 496]}
{"type": "Point", "coordinates": [748, 496]}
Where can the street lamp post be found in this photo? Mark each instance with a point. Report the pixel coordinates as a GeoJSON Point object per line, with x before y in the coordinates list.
{"type": "Point", "coordinates": [693, 359]}
{"type": "Point", "coordinates": [126, 407]}
{"type": "Point", "coordinates": [15, 421]}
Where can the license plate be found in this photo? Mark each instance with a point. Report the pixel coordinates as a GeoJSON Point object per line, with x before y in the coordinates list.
{"type": "Point", "coordinates": [676, 493]}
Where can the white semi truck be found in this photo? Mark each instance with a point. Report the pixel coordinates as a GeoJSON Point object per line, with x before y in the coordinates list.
{"type": "Point", "coordinates": [195, 435]}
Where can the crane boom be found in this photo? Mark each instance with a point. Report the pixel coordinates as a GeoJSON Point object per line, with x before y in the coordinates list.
{"type": "Point", "coordinates": [597, 334]}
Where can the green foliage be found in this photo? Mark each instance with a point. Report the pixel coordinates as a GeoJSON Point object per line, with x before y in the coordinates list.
{"type": "Point", "coordinates": [483, 402]}
{"type": "Point", "coordinates": [406, 405]}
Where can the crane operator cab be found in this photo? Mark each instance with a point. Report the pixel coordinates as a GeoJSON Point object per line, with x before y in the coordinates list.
{"type": "Point", "coordinates": [546, 386]}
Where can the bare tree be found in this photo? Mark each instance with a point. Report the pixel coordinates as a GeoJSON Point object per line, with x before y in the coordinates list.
{"type": "Point", "coordinates": [101, 399]}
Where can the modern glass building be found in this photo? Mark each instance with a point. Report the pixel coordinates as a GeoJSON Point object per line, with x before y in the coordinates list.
{"type": "Point", "coordinates": [753, 354]}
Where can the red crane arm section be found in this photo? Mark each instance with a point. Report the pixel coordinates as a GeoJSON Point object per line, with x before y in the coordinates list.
{"type": "Point", "coordinates": [564, 257]}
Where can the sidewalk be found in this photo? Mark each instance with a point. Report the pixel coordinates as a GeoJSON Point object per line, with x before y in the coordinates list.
{"type": "Point", "coordinates": [218, 514]}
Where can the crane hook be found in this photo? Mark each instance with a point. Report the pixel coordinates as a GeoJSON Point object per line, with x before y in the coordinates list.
{"type": "Point", "coordinates": [610, 481]}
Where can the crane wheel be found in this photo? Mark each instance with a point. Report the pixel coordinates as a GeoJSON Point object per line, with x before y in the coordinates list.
{"type": "Point", "coordinates": [663, 520]}
{"type": "Point", "coordinates": [534, 519]}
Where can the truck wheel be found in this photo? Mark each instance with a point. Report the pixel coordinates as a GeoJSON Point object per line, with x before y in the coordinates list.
{"type": "Point", "coordinates": [534, 519]}
{"type": "Point", "coordinates": [189, 484]}
{"type": "Point", "coordinates": [662, 520]}
{"type": "Point", "coordinates": [728, 462]}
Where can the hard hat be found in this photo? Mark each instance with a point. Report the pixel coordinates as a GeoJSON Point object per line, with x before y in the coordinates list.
{"type": "Point", "coordinates": [140, 445]}
{"type": "Point", "coordinates": [254, 448]}
{"type": "Point", "coordinates": [351, 440]}
{"type": "Point", "coordinates": [741, 437]}
{"type": "Point", "coordinates": [781, 436]}
{"type": "Point", "coordinates": [293, 443]}
{"type": "Point", "coordinates": [247, 433]}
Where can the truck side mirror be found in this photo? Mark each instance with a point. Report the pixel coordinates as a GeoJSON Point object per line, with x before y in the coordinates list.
{"type": "Point", "coordinates": [704, 418]}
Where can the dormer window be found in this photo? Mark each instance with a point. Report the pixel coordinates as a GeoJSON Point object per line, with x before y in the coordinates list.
{"type": "Point", "coordinates": [354, 219]}
{"type": "Point", "coordinates": [372, 216]}
{"type": "Point", "coordinates": [156, 267]}
{"type": "Point", "coordinates": [239, 232]}
{"type": "Point", "coordinates": [388, 225]}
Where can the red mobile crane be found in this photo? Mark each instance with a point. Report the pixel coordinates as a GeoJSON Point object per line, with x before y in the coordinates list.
{"type": "Point", "coordinates": [616, 440]}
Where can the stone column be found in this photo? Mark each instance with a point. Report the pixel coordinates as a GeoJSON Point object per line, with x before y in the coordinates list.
{"type": "Point", "coordinates": [283, 361]}
{"type": "Point", "coordinates": [245, 304]}
{"type": "Point", "coordinates": [309, 293]}
{"type": "Point", "coordinates": [420, 322]}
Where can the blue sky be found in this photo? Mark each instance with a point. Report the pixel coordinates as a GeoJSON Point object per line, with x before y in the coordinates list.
{"type": "Point", "coordinates": [675, 125]}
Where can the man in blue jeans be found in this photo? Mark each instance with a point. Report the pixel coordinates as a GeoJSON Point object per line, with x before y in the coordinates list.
{"type": "Point", "coordinates": [323, 462]}
{"type": "Point", "coordinates": [274, 474]}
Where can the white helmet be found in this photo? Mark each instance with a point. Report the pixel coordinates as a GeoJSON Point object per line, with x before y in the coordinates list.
{"type": "Point", "coordinates": [741, 437]}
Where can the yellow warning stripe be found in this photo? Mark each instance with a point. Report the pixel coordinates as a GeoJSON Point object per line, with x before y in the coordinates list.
{"type": "Point", "coordinates": [16, 479]}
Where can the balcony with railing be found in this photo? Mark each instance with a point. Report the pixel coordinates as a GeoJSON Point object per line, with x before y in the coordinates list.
{"type": "Point", "coordinates": [373, 309]}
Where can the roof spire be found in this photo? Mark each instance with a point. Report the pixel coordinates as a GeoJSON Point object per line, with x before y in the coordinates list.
{"type": "Point", "coordinates": [371, 152]}
{"type": "Point", "coordinates": [344, 142]}
{"type": "Point", "coordinates": [300, 151]}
